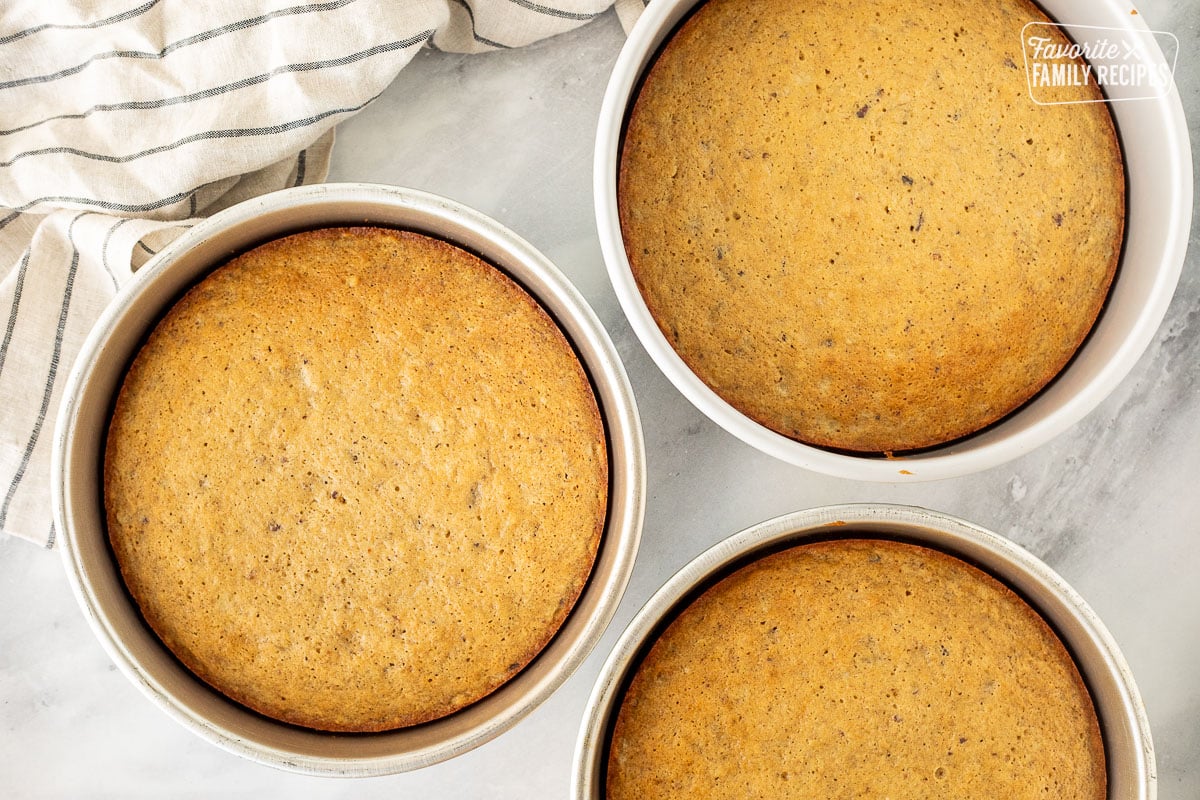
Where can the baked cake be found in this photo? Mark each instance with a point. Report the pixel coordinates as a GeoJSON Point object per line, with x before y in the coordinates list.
{"type": "Point", "coordinates": [857, 668]}
{"type": "Point", "coordinates": [356, 479]}
{"type": "Point", "coordinates": [853, 223]}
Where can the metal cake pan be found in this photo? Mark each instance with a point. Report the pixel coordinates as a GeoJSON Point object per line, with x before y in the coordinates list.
{"type": "Point", "coordinates": [79, 509]}
{"type": "Point", "coordinates": [1154, 140]}
{"type": "Point", "coordinates": [1123, 723]}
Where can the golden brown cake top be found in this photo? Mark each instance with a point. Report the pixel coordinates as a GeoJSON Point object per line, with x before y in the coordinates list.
{"type": "Point", "coordinates": [356, 479]}
{"type": "Point", "coordinates": [852, 222]}
{"type": "Point", "coordinates": [857, 668]}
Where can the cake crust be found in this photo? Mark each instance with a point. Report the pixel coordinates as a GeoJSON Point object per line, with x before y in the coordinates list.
{"type": "Point", "coordinates": [857, 668]}
{"type": "Point", "coordinates": [852, 222]}
{"type": "Point", "coordinates": [356, 479]}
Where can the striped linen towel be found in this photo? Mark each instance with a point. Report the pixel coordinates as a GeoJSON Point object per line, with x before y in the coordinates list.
{"type": "Point", "coordinates": [123, 122]}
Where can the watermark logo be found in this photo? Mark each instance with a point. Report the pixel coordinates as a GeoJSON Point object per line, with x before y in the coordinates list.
{"type": "Point", "coordinates": [1125, 64]}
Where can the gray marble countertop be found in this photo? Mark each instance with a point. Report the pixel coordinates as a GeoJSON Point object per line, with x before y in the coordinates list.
{"type": "Point", "coordinates": [1113, 504]}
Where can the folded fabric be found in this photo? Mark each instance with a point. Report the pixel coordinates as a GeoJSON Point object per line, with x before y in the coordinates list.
{"type": "Point", "coordinates": [123, 123]}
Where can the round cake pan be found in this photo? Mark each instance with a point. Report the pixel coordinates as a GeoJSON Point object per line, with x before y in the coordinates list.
{"type": "Point", "coordinates": [1123, 723]}
{"type": "Point", "coordinates": [79, 509]}
{"type": "Point", "coordinates": [1154, 139]}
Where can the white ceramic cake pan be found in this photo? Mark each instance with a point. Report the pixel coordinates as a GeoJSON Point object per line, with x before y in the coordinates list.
{"type": "Point", "coordinates": [79, 510]}
{"type": "Point", "coordinates": [1154, 138]}
{"type": "Point", "coordinates": [1123, 724]}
